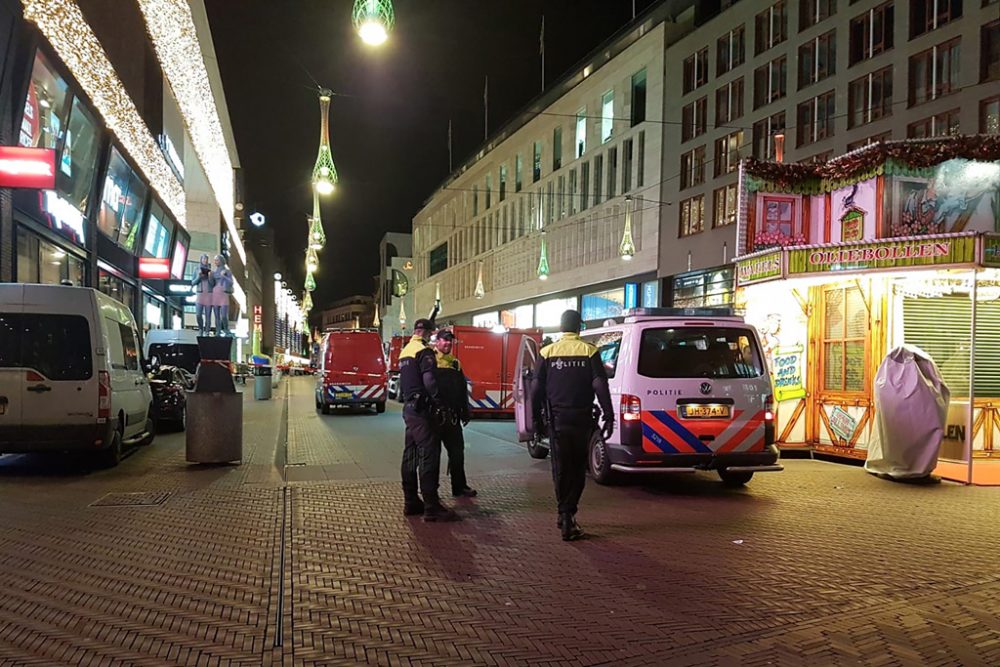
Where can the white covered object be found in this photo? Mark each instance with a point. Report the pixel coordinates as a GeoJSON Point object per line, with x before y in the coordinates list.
{"type": "Point", "coordinates": [911, 406]}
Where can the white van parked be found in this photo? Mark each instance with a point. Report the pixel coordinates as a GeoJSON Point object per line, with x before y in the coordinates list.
{"type": "Point", "coordinates": [71, 377]}
{"type": "Point", "coordinates": [172, 347]}
{"type": "Point", "coordinates": [692, 392]}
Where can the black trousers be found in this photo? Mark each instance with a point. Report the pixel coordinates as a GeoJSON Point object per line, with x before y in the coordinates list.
{"type": "Point", "coordinates": [454, 443]}
{"type": "Point", "coordinates": [421, 457]}
{"type": "Point", "coordinates": [569, 448]}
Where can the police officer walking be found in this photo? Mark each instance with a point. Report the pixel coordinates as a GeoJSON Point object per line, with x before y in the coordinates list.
{"type": "Point", "coordinates": [422, 448]}
{"type": "Point", "coordinates": [570, 374]}
{"type": "Point", "coordinates": [455, 396]}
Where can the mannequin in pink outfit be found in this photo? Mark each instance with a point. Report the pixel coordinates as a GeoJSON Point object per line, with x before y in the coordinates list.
{"type": "Point", "coordinates": [223, 287]}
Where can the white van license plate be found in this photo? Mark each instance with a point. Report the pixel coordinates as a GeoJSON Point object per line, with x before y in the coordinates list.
{"type": "Point", "coordinates": [706, 411]}
{"type": "Point", "coordinates": [343, 394]}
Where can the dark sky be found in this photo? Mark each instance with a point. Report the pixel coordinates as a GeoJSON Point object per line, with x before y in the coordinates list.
{"type": "Point", "coordinates": [389, 122]}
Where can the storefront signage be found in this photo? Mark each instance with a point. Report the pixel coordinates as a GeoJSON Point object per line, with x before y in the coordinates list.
{"type": "Point", "coordinates": [933, 252]}
{"type": "Point", "coordinates": [991, 251]}
{"type": "Point", "coordinates": [258, 316]}
{"type": "Point", "coordinates": [787, 370]}
{"type": "Point", "coordinates": [33, 168]}
{"type": "Point", "coordinates": [180, 287]}
{"type": "Point", "coordinates": [154, 267]}
{"type": "Point", "coordinates": [65, 217]}
{"type": "Point", "coordinates": [758, 269]}
{"type": "Point", "coordinates": [174, 160]}
{"type": "Point", "coordinates": [842, 423]}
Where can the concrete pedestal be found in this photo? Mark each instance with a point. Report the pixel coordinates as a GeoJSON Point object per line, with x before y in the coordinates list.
{"type": "Point", "coordinates": [214, 427]}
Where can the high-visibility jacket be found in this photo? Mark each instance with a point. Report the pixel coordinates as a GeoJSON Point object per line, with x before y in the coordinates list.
{"type": "Point", "coordinates": [417, 364]}
{"type": "Point", "coordinates": [452, 384]}
{"type": "Point", "coordinates": [570, 375]}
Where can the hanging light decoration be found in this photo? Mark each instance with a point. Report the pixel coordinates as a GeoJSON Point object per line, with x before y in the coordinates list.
{"type": "Point", "coordinates": [402, 314]}
{"type": "Point", "coordinates": [324, 178]}
{"type": "Point", "coordinates": [310, 282]}
{"type": "Point", "coordinates": [627, 247]}
{"type": "Point", "coordinates": [543, 261]}
{"type": "Point", "coordinates": [480, 291]}
{"type": "Point", "coordinates": [437, 297]}
{"type": "Point", "coordinates": [312, 261]}
{"type": "Point", "coordinates": [373, 19]}
{"type": "Point", "coordinates": [317, 237]}
{"type": "Point", "coordinates": [375, 320]}
{"type": "Point", "coordinates": [307, 302]}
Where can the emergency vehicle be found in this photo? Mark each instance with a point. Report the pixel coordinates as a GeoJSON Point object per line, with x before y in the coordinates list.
{"type": "Point", "coordinates": [352, 371]}
{"type": "Point", "coordinates": [489, 360]}
{"type": "Point", "coordinates": [396, 344]}
{"type": "Point", "coordinates": [692, 393]}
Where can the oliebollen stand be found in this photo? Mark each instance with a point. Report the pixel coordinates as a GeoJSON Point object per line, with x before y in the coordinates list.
{"type": "Point", "coordinates": [214, 408]}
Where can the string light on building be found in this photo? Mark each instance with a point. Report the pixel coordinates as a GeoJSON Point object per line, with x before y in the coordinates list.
{"type": "Point", "coordinates": [312, 261]}
{"type": "Point", "coordinates": [317, 237]}
{"type": "Point", "coordinates": [543, 261]}
{"type": "Point", "coordinates": [627, 247]}
{"type": "Point", "coordinates": [373, 19]}
{"type": "Point", "coordinates": [324, 177]}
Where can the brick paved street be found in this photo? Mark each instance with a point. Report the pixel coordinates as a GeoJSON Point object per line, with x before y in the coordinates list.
{"type": "Point", "coordinates": [819, 565]}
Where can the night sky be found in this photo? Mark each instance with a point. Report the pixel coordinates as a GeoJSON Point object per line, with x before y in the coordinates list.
{"type": "Point", "coordinates": [389, 120]}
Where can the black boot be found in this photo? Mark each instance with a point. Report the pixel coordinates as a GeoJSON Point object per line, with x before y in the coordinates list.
{"type": "Point", "coordinates": [413, 507]}
{"type": "Point", "coordinates": [465, 493]}
{"type": "Point", "coordinates": [570, 528]}
{"type": "Point", "coordinates": [438, 512]}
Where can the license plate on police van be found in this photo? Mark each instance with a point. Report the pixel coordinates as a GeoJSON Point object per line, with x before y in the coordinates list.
{"type": "Point", "coordinates": [706, 411]}
{"type": "Point", "coordinates": [343, 394]}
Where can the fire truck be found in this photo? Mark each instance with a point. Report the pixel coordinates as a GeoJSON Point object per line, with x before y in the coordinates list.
{"type": "Point", "coordinates": [489, 359]}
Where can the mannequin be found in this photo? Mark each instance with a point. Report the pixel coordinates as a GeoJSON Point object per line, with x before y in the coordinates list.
{"type": "Point", "coordinates": [221, 292]}
{"type": "Point", "coordinates": [203, 283]}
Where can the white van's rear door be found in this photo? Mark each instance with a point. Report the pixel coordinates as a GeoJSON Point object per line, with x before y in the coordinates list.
{"type": "Point", "coordinates": [11, 373]}
{"type": "Point", "coordinates": [527, 360]}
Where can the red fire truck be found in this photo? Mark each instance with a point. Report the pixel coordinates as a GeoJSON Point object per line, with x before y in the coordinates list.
{"type": "Point", "coordinates": [489, 359]}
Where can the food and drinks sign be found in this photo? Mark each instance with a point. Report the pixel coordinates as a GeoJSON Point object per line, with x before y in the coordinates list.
{"type": "Point", "coordinates": [786, 367]}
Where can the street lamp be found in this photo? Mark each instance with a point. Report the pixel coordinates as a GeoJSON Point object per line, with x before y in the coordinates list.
{"type": "Point", "coordinates": [324, 177]}
{"type": "Point", "coordinates": [373, 19]}
{"type": "Point", "coordinates": [312, 261]}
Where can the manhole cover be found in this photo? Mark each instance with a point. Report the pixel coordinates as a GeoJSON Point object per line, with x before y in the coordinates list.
{"type": "Point", "coordinates": [141, 498]}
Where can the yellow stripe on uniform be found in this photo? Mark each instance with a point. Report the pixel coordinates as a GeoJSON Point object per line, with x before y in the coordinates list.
{"type": "Point", "coordinates": [413, 348]}
{"type": "Point", "coordinates": [448, 361]}
{"type": "Point", "coordinates": [569, 345]}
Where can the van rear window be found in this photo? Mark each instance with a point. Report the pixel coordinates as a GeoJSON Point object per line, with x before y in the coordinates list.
{"type": "Point", "coordinates": [182, 355]}
{"type": "Point", "coordinates": [699, 352]}
{"type": "Point", "coordinates": [345, 351]}
{"type": "Point", "coordinates": [57, 346]}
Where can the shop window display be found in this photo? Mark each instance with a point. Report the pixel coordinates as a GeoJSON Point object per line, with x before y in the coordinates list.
{"type": "Point", "coordinates": [45, 107]}
{"type": "Point", "coordinates": [122, 201]}
{"type": "Point", "coordinates": [158, 232]}
{"type": "Point", "coordinates": [39, 261]}
{"type": "Point", "coordinates": [78, 160]}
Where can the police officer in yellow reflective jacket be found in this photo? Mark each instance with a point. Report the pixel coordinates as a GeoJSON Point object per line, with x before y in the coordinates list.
{"type": "Point", "coordinates": [421, 410]}
{"type": "Point", "coordinates": [455, 396]}
{"type": "Point", "coordinates": [569, 376]}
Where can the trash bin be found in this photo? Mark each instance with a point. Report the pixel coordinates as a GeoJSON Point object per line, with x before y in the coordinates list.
{"type": "Point", "coordinates": [262, 383]}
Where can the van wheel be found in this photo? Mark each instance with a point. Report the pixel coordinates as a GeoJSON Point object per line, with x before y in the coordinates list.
{"type": "Point", "coordinates": [325, 409]}
{"type": "Point", "coordinates": [182, 420]}
{"type": "Point", "coordinates": [150, 429]}
{"type": "Point", "coordinates": [380, 407]}
{"type": "Point", "coordinates": [600, 463]}
{"type": "Point", "coordinates": [735, 479]}
{"type": "Point", "coordinates": [112, 456]}
{"type": "Point", "coordinates": [536, 449]}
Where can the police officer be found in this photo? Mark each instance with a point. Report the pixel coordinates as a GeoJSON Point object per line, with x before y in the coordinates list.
{"type": "Point", "coordinates": [455, 396]}
{"type": "Point", "coordinates": [422, 448]}
{"type": "Point", "coordinates": [570, 373]}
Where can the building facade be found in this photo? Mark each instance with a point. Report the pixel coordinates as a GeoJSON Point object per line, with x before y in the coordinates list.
{"type": "Point", "coordinates": [393, 292]}
{"type": "Point", "coordinates": [829, 77]}
{"type": "Point", "coordinates": [353, 312]}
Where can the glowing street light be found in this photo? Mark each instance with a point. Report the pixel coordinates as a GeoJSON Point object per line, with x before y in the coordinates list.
{"type": "Point", "coordinates": [373, 19]}
{"type": "Point", "coordinates": [312, 261]}
{"type": "Point", "coordinates": [324, 177]}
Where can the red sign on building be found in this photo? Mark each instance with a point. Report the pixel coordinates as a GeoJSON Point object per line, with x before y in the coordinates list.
{"type": "Point", "coordinates": [153, 267]}
{"type": "Point", "coordinates": [33, 168]}
{"type": "Point", "coordinates": [258, 313]}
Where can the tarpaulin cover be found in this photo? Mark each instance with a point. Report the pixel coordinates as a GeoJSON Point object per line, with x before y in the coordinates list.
{"type": "Point", "coordinates": [911, 406]}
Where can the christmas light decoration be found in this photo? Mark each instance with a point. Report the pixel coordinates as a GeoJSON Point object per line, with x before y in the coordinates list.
{"type": "Point", "coordinates": [373, 19]}
{"type": "Point", "coordinates": [402, 314]}
{"type": "Point", "coordinates": [543, 261]}
{"type": "Point", "coordinates": [480, 290]}
{"type": "Point", "coordinates": [312, 261]}
{"type": "Point", "coordinates": [63, 25]}
{"type": "Point", "coordinates": [317, 237]}
{"type": "Point", "coordinates": [310, 282]}
{"type": "Point", "coordinates": [324, 177]}
{"type": "Point", "coordinates": [627, 247]}
{"type": "Point", "coordinates": [178, 48]}
{"type": "Point", "coordinates": [437, 297]}
{"type": "Point", "coordinates": [307, 301]}
{"type": "Point", "coordinates": [376, 321]}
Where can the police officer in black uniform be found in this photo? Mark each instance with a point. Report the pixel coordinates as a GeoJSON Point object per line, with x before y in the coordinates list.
{"type": "Point", "coordinates": [455, 394]}
{"type": "Point", "coordinates": [570, 374]}
{"type": "Point", "coordinates": [421, 413]}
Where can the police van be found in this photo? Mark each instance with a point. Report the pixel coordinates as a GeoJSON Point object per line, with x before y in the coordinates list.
{"type": "Point", "coordinates": [692, 392]}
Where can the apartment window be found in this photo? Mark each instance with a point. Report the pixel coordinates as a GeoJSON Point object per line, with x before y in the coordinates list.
{"type": "Point", "coordinates": [518, 170]}
{"type": "Point", "coordinates": [771, 27]}
{"type": "Point", "coordinates": [475, 200]}
{"type": "Point", "coordinates": [730, 51]}
{"type": "Point", "coordinates": [574, 205]}
{"type": "Point", "coordinates": [763, 133]}
{"type": "Point", "coordinates": [729, 102]}
{"type": "Point", "coordinates": [815, 119]}
{"type": "Point", "coordinates": [934, 73]}
{"type": "Point", "coordinates": [938, 125]}
{"type": "Point", "coordinates": [724, 206]}
{"type": "Point", "coordinates": [853, 146]}
{"type": "Point", "coordinates": [989, 116]}
{"type": "Point", "coordinates": [693, 168]}
{"type": "Point", "coordinates": [927, 15]}
{"type": "Point", "coordinates": [557, 148]}
{"type": "Point", "coordinates": [503, 182]}
{"type": "Point", "coordinates": [819, 158]}
{"type": "Point", "coordinates": [627, 159]}
{"type": "Point", "coordinates": [770, 82]}
{"type": "Point", "coordinates": [439, 259]}
{"type": "Point", "coordinates": [536, 170]}
{"type": "Point", "coordinates": [694, 119]}
{"type": "Point", "coordinates": [870, 98]}
{"type": "Point", "coordinates": [562, 195]}
{"type": "Point", "coordinates": [612, 172]}
{"type": "Point", "coordinates": [489, 191]}
{"type": "Point", "coordinates": [692, 215]}
{"type": "Point", "coordinates": [871, 33]}
{"type": "Point", "coordinates": [585, 186]}
{"type": "Point", "coordinates": [727, 153]}
{"type": "Point", "coordinates": [696, 70]}
{"type": "Point", "coordinates": [641, 168]}
{"type": "Point", "coordinates": [989, 57]}
{"type": "Point", "coordinates": [607, 116]}
{"type": "Point", "coordinates": [639, 97]}
{"type": "Point", "coordinates": [812, 12]}
{"type": "Point", "coordinates": [817, 59]}
{"type": "Point", "coordinates": [581, 132]}
{"type": "Point", "coordinates": [598, 178]}
{"type": "Point", "coordinates": [550, 204]}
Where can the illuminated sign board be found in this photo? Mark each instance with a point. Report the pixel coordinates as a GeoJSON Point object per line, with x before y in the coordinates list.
{"type": "Point", "coordinates": [33, 168]}
{"type": "Point", "coordinates": [64, 216]}
{"type": "Point", "coordinates": [154, 267]}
